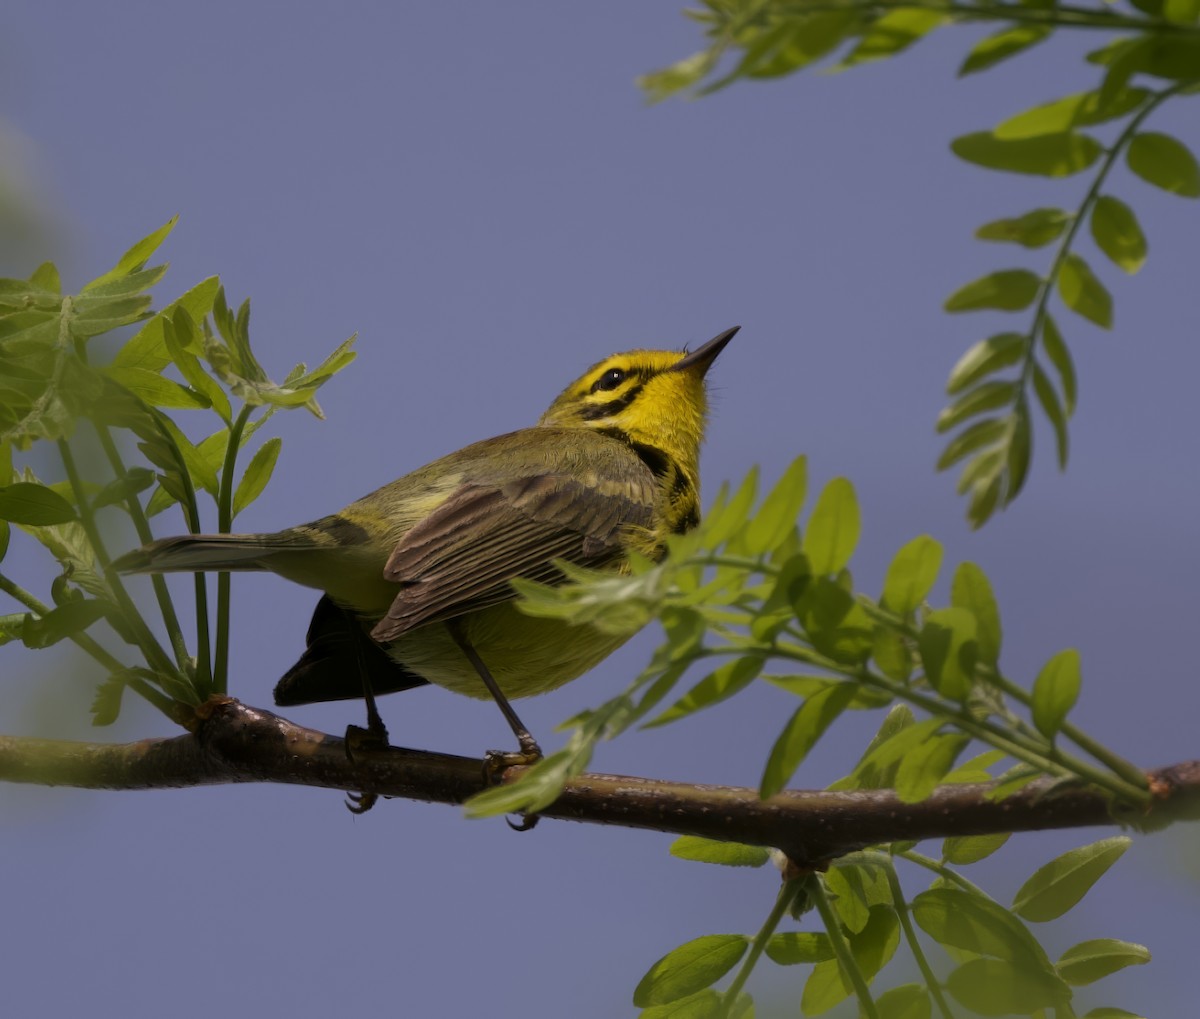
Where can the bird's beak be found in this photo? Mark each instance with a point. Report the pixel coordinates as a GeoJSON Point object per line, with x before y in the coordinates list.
{"type": "Point", "coordinates": [701, 359]}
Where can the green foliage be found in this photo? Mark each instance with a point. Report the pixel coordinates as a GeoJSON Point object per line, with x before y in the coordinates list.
{"type": "Point", "coordinates": [1154, 57]}
{"type": "Point", "coordinates": [1061, 883]}
{"type": "Point", "coordinates": [786, 610]}
{"type": "Point", "coordinates": [192, 356]}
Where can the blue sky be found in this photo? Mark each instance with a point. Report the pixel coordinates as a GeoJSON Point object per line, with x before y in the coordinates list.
{"type": "Point", "coordinates": [481, 194]}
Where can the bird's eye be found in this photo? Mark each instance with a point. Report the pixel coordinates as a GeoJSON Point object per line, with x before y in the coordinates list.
{"type": "Point", "coordinates": [609, 380]}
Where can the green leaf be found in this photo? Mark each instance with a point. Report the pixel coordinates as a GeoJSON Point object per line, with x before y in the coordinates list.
{"type": "Point", "coordinates": [1047, 155]}
{"type": "Point", "coordinates": [1060, 357]}
{"type": "Point", "coordinates": [984, 358]}
{"type": "Point", "coordinates": [923, 768]}
{"type": "Point", "coordinates": [974, 923]}
{"type": "Point", "coordinates": [1112, 1013]}
{"type": "Point", "coordinates": [1090, 961]}
{"type": "Point", "coordinates": [960, 850]}
{"type": "Point", "coordinates": [877, 767]}
{"type": "Point", "coordinates": [12, 626]}
{"type": "Point", "coordinates": [1182, 12]}
{"type": "Point", "coordinates": [689, 968]}
{"type": "Point", "coordinates": [1164, 162]}
{"type": "Point", "coordinates": [5, 536]}
{"type": "Point", "coordinates": [1035, 229]}
{"type": "Point", "coordinates": [719, 685]}
{"type": "Point", "coordinates": [975, 769]}
{"type": "Point", "coordinates": [987, 432]}
{"type": "Point", "coordinates": [1057, 416]}
{"type": "Point", "coordinates": [972, 591]}
{"type": "Point", "coordinates": [147, 349]}
{"type": "Point", "coordinates": [1117, 233]}
{"type": "Point", "coordinates": [776, 516]}
{"type": "Point", "coordinates": [704, 1004]}
{"type": "Point", "coordinates": [793, 948]}
{"type": "Point", "coordinates": [949, 650]}
{"type": "Point", "coordinates": [727, 854]}
{"type": "Point", "coordinates": [912, 574]}
{"type": "Point", "coordinates": [833, 528]}
{"type": "Point", "coordinates": [795, 43]}
{"type": "Point", "coordinates": [984, 397]}
{"type": "Point", "coordinates": [894, 32]}
{"type": "Point", "coordinates": [1166, 55]}
{"type": "Point", "coordinates": [1007, 290]}
{"type": "Point", "coordinates": [136, 257]}
{"type": "Point", "coordinates": [853, 890]}
{"type": "Point", "coordinates": [890, 652]}
{"type": "Point", "coordinates": [801, 733]}
{"type": "Point", "coordinates": [1083, 293]}
{"type": "Point", "coordinates": [993, 987]}
{"type": "Point", "coordinates": [1060, 884]}
{"type": "Point", "coordinates": [46, 277]}
{"type": "Point", "coordinates": [1055, 691]}
{"type": "Point", "coordinates": [34, 505]}
{"type": "Point", "coordinates": [1002, 45]}
{"type": "Point", "coordinates": [68, 619]}
{"type": "Point", "coordinates": [258, 473]}
{"type": "Point", "coordinates": [136, 479]}
{"type": "Point", "coordinates": [1020, 448]}
{"type": "Point", "coordinates": [908, 1001]}
{"type": "Point", "coordinates": [182, 337]}
{"type": "Point", "coordinates": [156, 390]}
{"type": "Point", "coordinates": [726, 517]}
{"type": "Point", "coordinates": [1080, 110]}
{"type": "Point", "coordinates": [679, 76]}
{"type": "Point", "coordinates": [106, 704]}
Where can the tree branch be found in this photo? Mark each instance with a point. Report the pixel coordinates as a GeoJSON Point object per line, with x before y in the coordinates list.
{"type": "Point", "coordinates": [236, 743]}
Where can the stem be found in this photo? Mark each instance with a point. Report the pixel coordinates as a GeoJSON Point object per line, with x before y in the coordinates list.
{"type": "Point", "coordinates": [1089, 199]}
{"type": "Point", "coordinates": [1061, 16]}
{"type": "Point", "coordinates": [191, 514]}
{"type": "Point", "coordinates": [939, 868]}
{"type": "Point", "coordinates": [914, 943]}
{"type": "Point", "coordinates": [1118, 764]}
{"type": "Point", "coordinates": [224, 522]}
{"type": "Point", "coordinates": [783, 902]}
{"type": "Point", "coordinates": [845, 957]}
{"type": "Point", "coordinates": [82, 640]}
{"type": "Point", "coordinates": [145, 536]}
{"type": "Point", "coordinates": [1124, 769]}
{"type": "Point", "coordinates": [156, 657]}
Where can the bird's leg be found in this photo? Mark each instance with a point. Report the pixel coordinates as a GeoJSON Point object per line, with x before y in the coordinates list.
{"type": "Point", "coordinates": [375, 735]}
{"type": "Point", "coordinates": [530, 752]}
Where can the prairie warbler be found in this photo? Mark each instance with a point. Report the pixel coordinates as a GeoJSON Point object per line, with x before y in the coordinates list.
{"type": "Point", "coordinates": [416, 575]}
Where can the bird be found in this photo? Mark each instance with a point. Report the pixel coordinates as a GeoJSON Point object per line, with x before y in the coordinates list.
{"type": "Point", "coordinates": [416, 575]}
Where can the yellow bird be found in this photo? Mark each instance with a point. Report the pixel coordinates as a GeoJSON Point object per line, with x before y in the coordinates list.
{"type": "Point", "coordinates": [416, 575]}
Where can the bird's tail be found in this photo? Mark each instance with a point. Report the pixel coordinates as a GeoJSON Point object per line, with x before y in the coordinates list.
{"type": "Point", "coordinates": [198, 553]}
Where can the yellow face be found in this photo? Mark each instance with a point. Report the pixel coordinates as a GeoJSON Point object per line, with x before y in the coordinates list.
{"type": "Point", "coordinates": [651, 397]}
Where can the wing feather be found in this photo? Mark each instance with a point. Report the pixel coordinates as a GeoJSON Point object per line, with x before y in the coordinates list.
{"type": "Point", "coordinates": [461, 557]}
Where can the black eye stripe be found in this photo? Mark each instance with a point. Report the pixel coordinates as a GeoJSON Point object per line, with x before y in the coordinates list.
{"type": "Point", "coordinates": [597, 411]}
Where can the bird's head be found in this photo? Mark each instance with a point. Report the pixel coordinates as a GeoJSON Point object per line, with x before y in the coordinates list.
{"type": "Point", "coordinates": [649, 397]}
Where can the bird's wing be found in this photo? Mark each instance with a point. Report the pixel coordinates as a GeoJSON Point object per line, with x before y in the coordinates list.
{"type": "Point", "coordinates": [462, 556]}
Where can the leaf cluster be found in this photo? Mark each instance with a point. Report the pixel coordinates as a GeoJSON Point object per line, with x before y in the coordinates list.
{"type": "Point", "coordinates": [991, 961]}
{"type": "Point", "coordinates": [1154, 57]}
{"type": "Point", "coordinates": [193, 354]}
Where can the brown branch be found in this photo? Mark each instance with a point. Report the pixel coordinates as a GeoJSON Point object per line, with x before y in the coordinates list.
{"type": "Point", "coordinates": [236, 743]}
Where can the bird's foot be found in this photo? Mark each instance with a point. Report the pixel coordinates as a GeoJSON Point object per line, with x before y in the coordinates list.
{"type": "Point", "coordinates": [374, 737]}
{"type": "Point", "coordinates": [495, 762]}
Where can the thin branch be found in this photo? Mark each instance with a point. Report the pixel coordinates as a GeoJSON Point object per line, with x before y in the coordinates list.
{"type": "Point", "coordinates": [232, 742]}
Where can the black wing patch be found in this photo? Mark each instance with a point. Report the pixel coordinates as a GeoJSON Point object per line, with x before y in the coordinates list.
{"type": "Point", "coordinates": [462, 556]}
